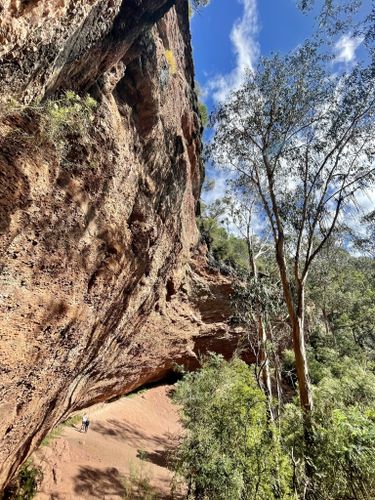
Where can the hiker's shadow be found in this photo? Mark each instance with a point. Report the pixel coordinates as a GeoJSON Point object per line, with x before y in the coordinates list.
{"type": "Point", "coordinates": [77, 429]}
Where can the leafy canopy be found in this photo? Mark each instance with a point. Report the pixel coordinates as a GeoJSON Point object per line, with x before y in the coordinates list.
{"type": "Point", "coordinates": [228, 450]}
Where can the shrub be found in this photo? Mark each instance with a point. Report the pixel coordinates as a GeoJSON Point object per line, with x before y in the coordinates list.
{"type": "Point", "coordinates": [229, 450]}
{"type": "Point", "coordinates": [341, 457]}
{"type": "Point", "coordinates": [203, 113]}
{"type": "Point", "coordinates": [69, 114]}
{"type": "Point", "coordinates": [57, 118]}
{"type": "Point", "coordinates": [224, 247]}
{"type": "Point", "coordinates": [137, 484]}
{"type": "Point", "coordinates": [26, 484]}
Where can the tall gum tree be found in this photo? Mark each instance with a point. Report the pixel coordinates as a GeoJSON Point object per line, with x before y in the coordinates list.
{"type": "Point", "coordinates": [302, 140]}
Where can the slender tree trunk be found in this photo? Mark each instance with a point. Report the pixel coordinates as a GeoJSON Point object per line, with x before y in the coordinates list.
{"type": "Point", "coordinates": [296, 316]}
{"type": "Point", "coordinates": [301, 361]}
{"type": "Point", "coordinates": [265, 364]}
{"type": "Point", "coordinates": [262, 334]}
{"type": "Point", "coordinates": [277, 369]}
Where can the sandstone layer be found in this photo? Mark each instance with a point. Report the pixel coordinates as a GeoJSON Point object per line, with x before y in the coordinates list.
{"type": "Point", "coordinates": [99, 293]}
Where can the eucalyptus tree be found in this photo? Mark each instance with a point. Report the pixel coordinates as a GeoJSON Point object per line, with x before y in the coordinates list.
{"type": "Point", "coordinates": [365, 241]}
{"type": "Point", "coordinates": [240, 214]}
{"type": "Point", "coordinates": [302, 140]}
{"type": "Point", "coordinates": [200, 3]}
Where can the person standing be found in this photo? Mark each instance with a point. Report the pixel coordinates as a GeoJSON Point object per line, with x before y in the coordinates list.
{"type": "Point", "coordinates": [85, 423]}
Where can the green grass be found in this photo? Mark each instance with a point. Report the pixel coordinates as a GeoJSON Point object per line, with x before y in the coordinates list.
{"type": "Point", "coordinates": [57, 431]}
{"type": "Point", "coordinates": [52, 435]}
{"type": "Point", "coordinates": [137, 484]}
{"type": "Point", "coordinates": [72, 421]}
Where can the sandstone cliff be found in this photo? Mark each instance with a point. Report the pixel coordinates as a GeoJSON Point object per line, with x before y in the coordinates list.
{"type": "Point", "coordinates": [98, 290]}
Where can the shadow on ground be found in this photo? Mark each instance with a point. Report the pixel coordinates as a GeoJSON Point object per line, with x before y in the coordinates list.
{"type": "Point", "coordinates": [123, 431]}
{"type": "Point", "coordinates": [157, 457]}
{"type": "Point", "coordinates": [99, 483]}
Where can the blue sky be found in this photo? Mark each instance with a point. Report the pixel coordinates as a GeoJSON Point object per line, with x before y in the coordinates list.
{"type": "Point", "coordinates": [228, 37]}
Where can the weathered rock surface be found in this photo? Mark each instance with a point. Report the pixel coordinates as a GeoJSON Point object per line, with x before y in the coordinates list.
{"type": "Point", "coordinates": [98, 291]}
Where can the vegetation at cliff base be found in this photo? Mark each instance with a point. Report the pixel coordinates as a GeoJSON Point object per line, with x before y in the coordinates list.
{"type": "Point", "coordinates": [25, 485]}
{"type": "Point", "coordinates": [229, 450]}
{"type": "Point", "coordinates": [233, 450]}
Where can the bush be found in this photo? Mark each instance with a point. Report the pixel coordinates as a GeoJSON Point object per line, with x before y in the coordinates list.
{"type": "Point", "coordinates": [137, 484]}
{"type": "Point", "coordinates": [203, 113]}
{"type": "Point", "coordinates": [71, 114]}
{"type": "Point", "coordinates": [26, 484]}
{"type": "Point", "coordinates": [224, 247]}
{"type": "Point", "coordinates": [341, 458]}
{"type": "Point", "coordinates": [58, 118]}
{"type": "Point", "coordinates": [230, 451]}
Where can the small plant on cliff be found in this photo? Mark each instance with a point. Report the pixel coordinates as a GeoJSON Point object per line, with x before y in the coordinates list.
{"type": "Point", "coordinates": [194, 5]}
{"type": "Point", "coordinates": [200, 3]}
{"type": "Point", "coordinates": [171, 60]}
{"type": "Point", "coordinates": [26, 484]}
{"type": "Point", "coordinates": [70, 114]}
{"type": "Point", "coordinates": [203, 113]}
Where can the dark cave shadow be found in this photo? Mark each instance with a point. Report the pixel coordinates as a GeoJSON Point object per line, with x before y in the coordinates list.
{"type": "Point", "coordinates": [129, 433]}
{"type": "Point", "coordinates": [157, 457]}
{"type": "Point", "coordinates": [98, 483]}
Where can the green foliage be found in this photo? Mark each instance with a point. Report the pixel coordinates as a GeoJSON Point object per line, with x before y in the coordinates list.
{"type": "Point", "coordinates": [200, 3]}
{"type": "Point", "coordinates": [224, 247]}
{"type": "Point", "coordinates": [342, 296]}
{"type": "Point", "coordinates": [26, 483]}
{"type": "Point", "coordinates": [57, 118]}
{"type": "Point", "coordinates": [71, 114]}
{"type": "Point", "coordinates": [137, 484]}
{"type": "Point", "coordinates": [341, 458]}
{"type": "Point", "coordinates": [229, 451]}
{"type": "Point", "coordinates": [342, 455]}
{"type": "Point", "coordinates": [203, 113]}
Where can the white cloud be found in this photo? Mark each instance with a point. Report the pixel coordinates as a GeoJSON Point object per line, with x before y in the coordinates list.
{"type": "Point", "coordinates": [220, 187]}
{"type": "Point", "coordinates": [246, 49]}
{"type": "Point", "coordinates": [346, 48]}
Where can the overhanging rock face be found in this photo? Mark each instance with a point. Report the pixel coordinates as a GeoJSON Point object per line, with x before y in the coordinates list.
{"type": "Point", "coordinates": [98, 290]}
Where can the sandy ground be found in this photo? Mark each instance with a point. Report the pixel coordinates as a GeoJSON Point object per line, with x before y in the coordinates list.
{"type": "Point", "coordinates": [126, 442]}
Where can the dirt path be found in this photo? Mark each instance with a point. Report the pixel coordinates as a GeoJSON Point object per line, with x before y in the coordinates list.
{"type": "Point", "coordinates": [123, 455]}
